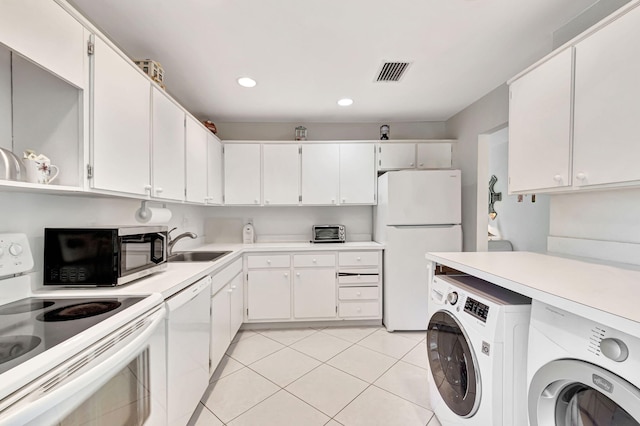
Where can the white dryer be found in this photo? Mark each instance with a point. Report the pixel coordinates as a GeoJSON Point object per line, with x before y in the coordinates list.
{"type": "Point", "coordinates": [476, 343]}
{"type": "Point", "coordinates": [581, 372]}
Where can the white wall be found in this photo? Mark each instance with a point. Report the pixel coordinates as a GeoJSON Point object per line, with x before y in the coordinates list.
{"type": "Point", "coordinates": [483, 116]}
{"type": "Point", "coordinates": [525, 224]}
{"type": "Point", "coordinates": [5, 98]}
{"type": "Point", "coordinates": [30, 213]}
{"type": "Point", "coordinates": [330, 131]}
{"type": "Point", "coordinates": [287, 223]}
{"type": "Point", "coordinates": [612, 215]}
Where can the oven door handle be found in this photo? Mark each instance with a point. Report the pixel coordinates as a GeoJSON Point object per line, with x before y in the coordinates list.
{"type": "Point", "coordinates": [39, 405]}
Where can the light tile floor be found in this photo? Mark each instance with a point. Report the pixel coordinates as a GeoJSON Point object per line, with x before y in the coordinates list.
{"type": "Point", "coordinates": [331, 376]}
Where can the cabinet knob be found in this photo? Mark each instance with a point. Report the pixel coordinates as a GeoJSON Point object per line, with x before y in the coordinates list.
{"type": "Point", "coordinates": [333, 201]}
{"type": "Point", "coordinates": [344, 200]}
{"type": "Point", "coordinates": [421, 164]}
{"type": "Point", "coordinates": [266, 201]}
{"type": "Point", "coordinates": [269, 261]}
{"type": "Point", "coordinates": [233, 287]}
{"type": "Point", "coordinates": [411, 164]}
{"type": "Point", "coordinates": [358, 294]}
{"type": "Point", "coordinates": [147, 187]}
{"type": "Point", "coordinates": [359, 277]}
{"type": "Point", "coordinates": [255, 201]}
{"type": "Point", "coordinates": [159, 190]}
{"type": "Point", "coordinates": [315, 260]}
{"type": "Point", "coordinates": [358, 258]}
{"type": "Point", "coordinates": [581, 176]}
{"type": "Point", "coordinates": [230, 291]}
{"type": "Point", "coordinates": [359, 310]}
{"type": "Point", "coordinates": [297, 274]}
{"type": "Point", "coordinates": [286, 274]}
{"type": "Point", "coordinates": [558, 178]}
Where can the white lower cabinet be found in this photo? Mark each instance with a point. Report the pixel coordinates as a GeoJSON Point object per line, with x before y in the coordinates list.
{"type": "Point", "coordinates": [269, 294]}
{"type": "Point", "coordinates": [314, 288]}
{"type": "Point", "coordinates": [226, 311]}
{"type": "Point", "coordinates": [303, 286]}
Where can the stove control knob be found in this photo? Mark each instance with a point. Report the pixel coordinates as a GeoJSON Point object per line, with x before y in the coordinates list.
{"type": "Point", "coordinates": [614, 349]}
{"type": "Point", "coordinates": [15, 249]}
{"type": "Point", "coordinates": [452, 298]}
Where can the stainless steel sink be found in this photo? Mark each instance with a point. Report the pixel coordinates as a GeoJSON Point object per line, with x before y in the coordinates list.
{"type": "Point", "coordinates": [197, 256]}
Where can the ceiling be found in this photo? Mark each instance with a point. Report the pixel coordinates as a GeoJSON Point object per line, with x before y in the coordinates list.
{"type": "Point", "coordinates": [307, 54]}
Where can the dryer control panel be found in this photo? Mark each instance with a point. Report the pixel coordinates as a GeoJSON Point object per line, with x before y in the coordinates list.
{"type": "Point", "coordinates": [476, 309]}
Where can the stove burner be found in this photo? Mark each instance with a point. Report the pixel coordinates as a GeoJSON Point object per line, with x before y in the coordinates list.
{"type": "Point", "coordinates": [22, 307]}
{"type": "Point", "coordinates": [12, 347]}
{"type": "Point", "coordinates": [80, 310]}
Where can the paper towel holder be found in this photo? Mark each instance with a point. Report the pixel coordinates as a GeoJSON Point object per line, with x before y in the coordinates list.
{"type": "Point", "coordinates": [143, 214]}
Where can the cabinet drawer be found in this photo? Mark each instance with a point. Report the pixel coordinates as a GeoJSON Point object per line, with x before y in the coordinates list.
{"type": "Point", "coordinates": [361, 309]}
{"type": "Point", "coordinates": [357, 258]}
{"type": "Point", "coordinates": [314, 260]}
{"type": "Point", "coordinates": [358, 279]}
{"type": "Point", "coordinates": [357, 293]}
{"type": "Point", "coordinates": [222, 277]}
{"type": "Point", "coordinates": [275, 261]}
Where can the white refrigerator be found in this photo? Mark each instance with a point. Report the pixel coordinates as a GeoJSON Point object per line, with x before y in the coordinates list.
{"type": "Point", "coordinates": [418, 211]}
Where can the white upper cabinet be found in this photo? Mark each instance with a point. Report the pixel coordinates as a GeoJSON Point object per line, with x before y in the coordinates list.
{"type": "Point", "coordinates": [357, 173]}
{"type": "Point", "coordinates": [433, 155]}
{"type": "Point", "coordinates": [121, 119]}
{"type": "Point", "coordinates": [46, 34]}
{"type": "Point", "coordinates": [281, 174]}
{"type": "Point", "coordinates": [168, 148]}
{"type": "Point", "coordinates": [242, 174]}
{"type": "Point", "coordinates": [320, 174]}
{"type": "Point", "coordinates": [607, 104]}
{"type": "Point", "coordinates": [540, 126]}
{"type": "Point", "coordinates": [196, 161]}
{"type": "Point", "coordinates": [214, 170]}
{"type": "Point", "coordinates": [397, 156]}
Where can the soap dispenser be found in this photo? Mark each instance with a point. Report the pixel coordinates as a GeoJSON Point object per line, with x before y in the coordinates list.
{"type": "Point", "coordinates": [248, 234]}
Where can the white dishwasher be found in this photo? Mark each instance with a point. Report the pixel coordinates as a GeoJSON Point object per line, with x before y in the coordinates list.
{"type": "Point", "coordinates": [188, 334]}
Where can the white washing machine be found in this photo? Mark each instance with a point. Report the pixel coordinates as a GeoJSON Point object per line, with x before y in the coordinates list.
{"type": "Point", "coordinates": [581, 372]}
{"type": "Point", "coordinates": [476, 343]}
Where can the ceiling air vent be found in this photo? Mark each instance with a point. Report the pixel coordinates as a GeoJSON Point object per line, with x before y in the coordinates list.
{"type": "Point", "coordinates": [392, 71]}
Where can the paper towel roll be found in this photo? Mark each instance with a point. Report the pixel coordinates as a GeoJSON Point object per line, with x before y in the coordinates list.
{"type": "Point", "coordinates": [153, 215]}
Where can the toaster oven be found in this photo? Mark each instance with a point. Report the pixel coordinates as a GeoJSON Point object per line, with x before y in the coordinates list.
{"type": "Point", "coordinates": [329, 234]}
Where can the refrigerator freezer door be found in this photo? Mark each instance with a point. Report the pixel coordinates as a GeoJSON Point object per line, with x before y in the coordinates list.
{"type": "Point", "coordinates": [424, 197]}
{"type": "Point", "coordinates": [406, 287]}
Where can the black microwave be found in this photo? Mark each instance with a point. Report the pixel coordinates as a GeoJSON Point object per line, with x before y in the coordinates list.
{"type": "Point", "coordinates": [103, 256]}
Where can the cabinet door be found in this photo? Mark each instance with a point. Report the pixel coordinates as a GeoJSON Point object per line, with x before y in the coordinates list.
{"type": "Point", "coordinates": [121, 120]}
{"type": "Point", "coordinates": [540, 126]}
{"type": "Point", "coordinates": [607, 106]}
{"type": "Point", "coordinates": [167, 147]}
{"type": "Point", "coordinates": [320, 174]}
{"type": "Point", "coordinates": [269, 294]}
{"type": "Point", "coordinates": [220, 326]}
{"type": "Point", "coordinates": [214, 170]}
{"type": "Point", "coordinates": [196, 161]}
{"type": "Point", "coordinates": [242, 174]}
{"type": "Point", "coordinates": [314, 293]}
{"type": "Point", "coordinates": [237, 304]}
{"type": "Point", "coordinates": [281, 174]}
{"type": "Point", "coordinates": [434, 155]}
{"type": "Point", "coordinates": [397, 156]}
{"type": "Point", "coordinates": [357, 173]}
{"type": "Point", "coordinates": [46, 34]}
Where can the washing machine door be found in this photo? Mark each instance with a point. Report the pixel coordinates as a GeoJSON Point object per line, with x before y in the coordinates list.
{"type": "Point", "coordinates": [576, 393]}
{"type": "Point", "coordinates": [453, 364]}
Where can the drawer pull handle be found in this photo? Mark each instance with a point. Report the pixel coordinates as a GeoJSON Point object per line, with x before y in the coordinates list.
{"type": "Point", "coordinates": [314, 261]}
{"type": "Point", "coordinates": [268, 261]}
{"type": "Point", "coordinates": [358, 294]}
{"type": "Point", "coordinates": [358, 258]}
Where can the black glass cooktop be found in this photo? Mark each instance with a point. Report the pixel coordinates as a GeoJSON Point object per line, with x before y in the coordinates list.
{"type": "Point", "coordinates": [30, 326]}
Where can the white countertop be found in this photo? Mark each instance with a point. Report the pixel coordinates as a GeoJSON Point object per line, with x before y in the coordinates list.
{"type": "Point", "coordinates": [605, 293]}
{"type": "Point", "coordinates": [180, 275]}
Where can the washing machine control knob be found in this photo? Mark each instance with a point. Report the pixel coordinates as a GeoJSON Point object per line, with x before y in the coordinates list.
{"type": "Point", "coordinates": [614, 349]}
{"type": "Point", "coordinates": [452, 297]}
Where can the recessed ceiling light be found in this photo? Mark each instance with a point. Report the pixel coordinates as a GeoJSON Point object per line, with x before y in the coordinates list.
{"type": "Point", "coordinates": [246, 82]}
{"type": "Point", "coordinates": [345, 102]}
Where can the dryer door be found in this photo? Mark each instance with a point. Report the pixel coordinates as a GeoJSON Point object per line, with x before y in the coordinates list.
{"type": "Point", "coordinates": [453, 364]}
{"type": "Point", "coordinates": [571, 392]}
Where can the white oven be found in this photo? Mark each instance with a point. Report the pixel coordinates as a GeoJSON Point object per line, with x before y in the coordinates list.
{"type": "Point", "coordinates": [118, 380]}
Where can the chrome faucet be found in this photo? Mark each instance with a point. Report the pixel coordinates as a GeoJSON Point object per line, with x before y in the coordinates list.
{"type": "Point", "coordinates": [173, 241]}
